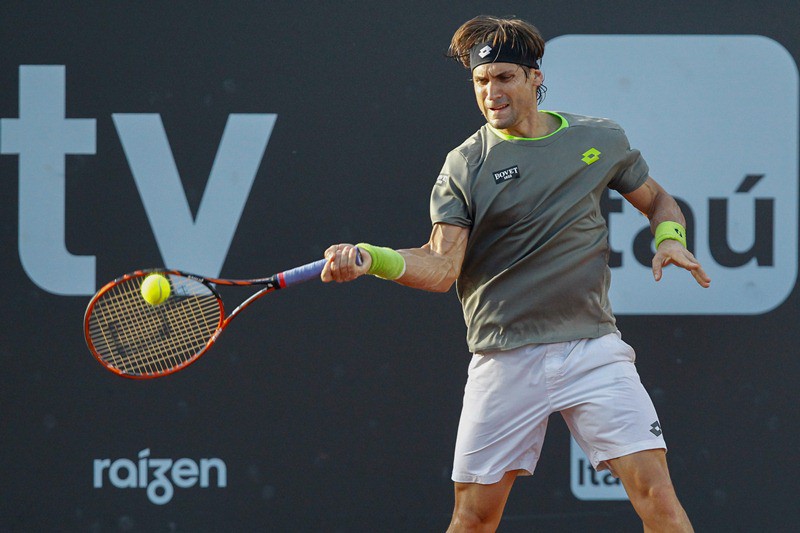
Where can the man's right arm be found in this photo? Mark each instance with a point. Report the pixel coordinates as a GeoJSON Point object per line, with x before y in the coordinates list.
{"type": "Point", "coordinates": [432, 267]}
{"type": "Point", "coordinates": [436, 266]}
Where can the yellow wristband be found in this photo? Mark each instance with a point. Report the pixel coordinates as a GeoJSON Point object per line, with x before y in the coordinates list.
{"type": "Point", "coordinates": [386, 263]}
{"type": "Point", "coordinates": [670, 230]}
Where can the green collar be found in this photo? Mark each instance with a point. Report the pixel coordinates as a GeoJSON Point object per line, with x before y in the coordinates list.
{"type": "Point", "coordinates": [564, 124]}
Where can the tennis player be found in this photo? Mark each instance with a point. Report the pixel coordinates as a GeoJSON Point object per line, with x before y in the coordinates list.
{"type": "Point", "coordinates": [517, 225]}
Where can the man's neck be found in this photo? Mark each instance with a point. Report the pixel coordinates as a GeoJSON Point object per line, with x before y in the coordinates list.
{"type": "Point", "coordinates": [541, 124]}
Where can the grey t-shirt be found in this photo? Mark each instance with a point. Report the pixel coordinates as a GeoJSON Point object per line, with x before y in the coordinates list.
{"type": "Point", "coordinates": [536, 263]}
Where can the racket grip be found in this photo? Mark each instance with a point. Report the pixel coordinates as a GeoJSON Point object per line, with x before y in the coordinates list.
{"type": "Point", "coordinates": [308, 272]}
{"type": "Point", "coordinates": [303, 273]}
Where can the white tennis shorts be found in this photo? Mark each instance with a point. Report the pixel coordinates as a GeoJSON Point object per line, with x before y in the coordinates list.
{"type": "Point", "coordinates": [510, 394]}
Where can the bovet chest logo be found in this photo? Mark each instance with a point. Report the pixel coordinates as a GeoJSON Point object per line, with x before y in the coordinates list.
{"type": "Point", "coordinates": [504, 175]}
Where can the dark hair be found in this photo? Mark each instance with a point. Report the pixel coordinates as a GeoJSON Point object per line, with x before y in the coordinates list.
{"type": "Point", "coordinates": [516, 33]}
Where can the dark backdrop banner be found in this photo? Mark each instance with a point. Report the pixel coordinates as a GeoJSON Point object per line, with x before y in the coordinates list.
{"type": "Point", "coordinates": [240, 140]}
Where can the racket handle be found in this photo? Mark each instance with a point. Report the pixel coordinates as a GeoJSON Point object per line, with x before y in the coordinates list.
{"type": "Point", "coordinates": [308, 272]}
{"type": "Point", "coordinates": [302, 273]}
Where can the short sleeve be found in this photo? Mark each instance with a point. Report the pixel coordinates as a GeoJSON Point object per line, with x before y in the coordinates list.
{"type": "Point", "coordinates": [450, 202]}
{"type": "Point", "coordinates": [631, 170]}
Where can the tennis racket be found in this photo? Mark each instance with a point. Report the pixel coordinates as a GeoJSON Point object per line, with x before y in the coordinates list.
{"type": "Point", "coordinates": [135, 339]}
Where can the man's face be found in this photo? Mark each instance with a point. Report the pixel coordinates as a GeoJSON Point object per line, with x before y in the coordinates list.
{"type": "Point", "coordinates": [506, 97]}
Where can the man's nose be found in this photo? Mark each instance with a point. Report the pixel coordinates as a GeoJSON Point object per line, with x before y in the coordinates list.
{"type": "Point", "coordinates": [493, 91]}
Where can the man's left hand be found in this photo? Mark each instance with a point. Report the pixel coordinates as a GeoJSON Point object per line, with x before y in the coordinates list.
{"type": "Point", "coordinates": [671, 252]}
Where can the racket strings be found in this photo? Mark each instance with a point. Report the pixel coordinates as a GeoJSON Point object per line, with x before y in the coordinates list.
{"type": "Point", "coordinates": [138, 338]}
{"type": "Point", "coordinates": [161, 337]}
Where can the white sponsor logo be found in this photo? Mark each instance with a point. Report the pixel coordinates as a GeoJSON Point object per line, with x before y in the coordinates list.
{"type": "Point", "coordinates": [42, 137]}
{"type": "Point", "coordinates": [506, 174]}
{"type": "Point", "coordinates": [159, 476]}
{"type": "Point", "coordinates": [485, 51]}
{"type": "Point", "coordinates": [586, 483]}
{"type": "Point", "coordinates": [724, 143]}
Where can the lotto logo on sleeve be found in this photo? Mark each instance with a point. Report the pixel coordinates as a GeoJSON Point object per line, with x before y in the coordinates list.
{"type": "Point", "coordinates": [733, 173]}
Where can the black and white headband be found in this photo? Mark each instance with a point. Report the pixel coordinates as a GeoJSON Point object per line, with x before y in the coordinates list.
{"type": "Point", "coordinates": [483, 53]}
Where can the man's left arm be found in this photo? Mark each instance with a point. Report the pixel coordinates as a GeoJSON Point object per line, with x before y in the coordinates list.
{"type": "Point", "coordinates": [660, 207]}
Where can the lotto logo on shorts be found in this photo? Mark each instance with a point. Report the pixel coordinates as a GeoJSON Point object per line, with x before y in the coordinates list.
{"type": "Point", "coordinates": [655, 429]}
{"type": "Point", "coordinates": [733, 174]}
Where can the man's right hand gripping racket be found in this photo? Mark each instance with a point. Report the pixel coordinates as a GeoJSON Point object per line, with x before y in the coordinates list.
{"type": "Point", "coordinates": [137, 339]}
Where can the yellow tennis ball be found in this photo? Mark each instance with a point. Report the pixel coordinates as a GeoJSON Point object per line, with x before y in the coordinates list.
{"type": "Point", "coordinates": [155, 289]}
